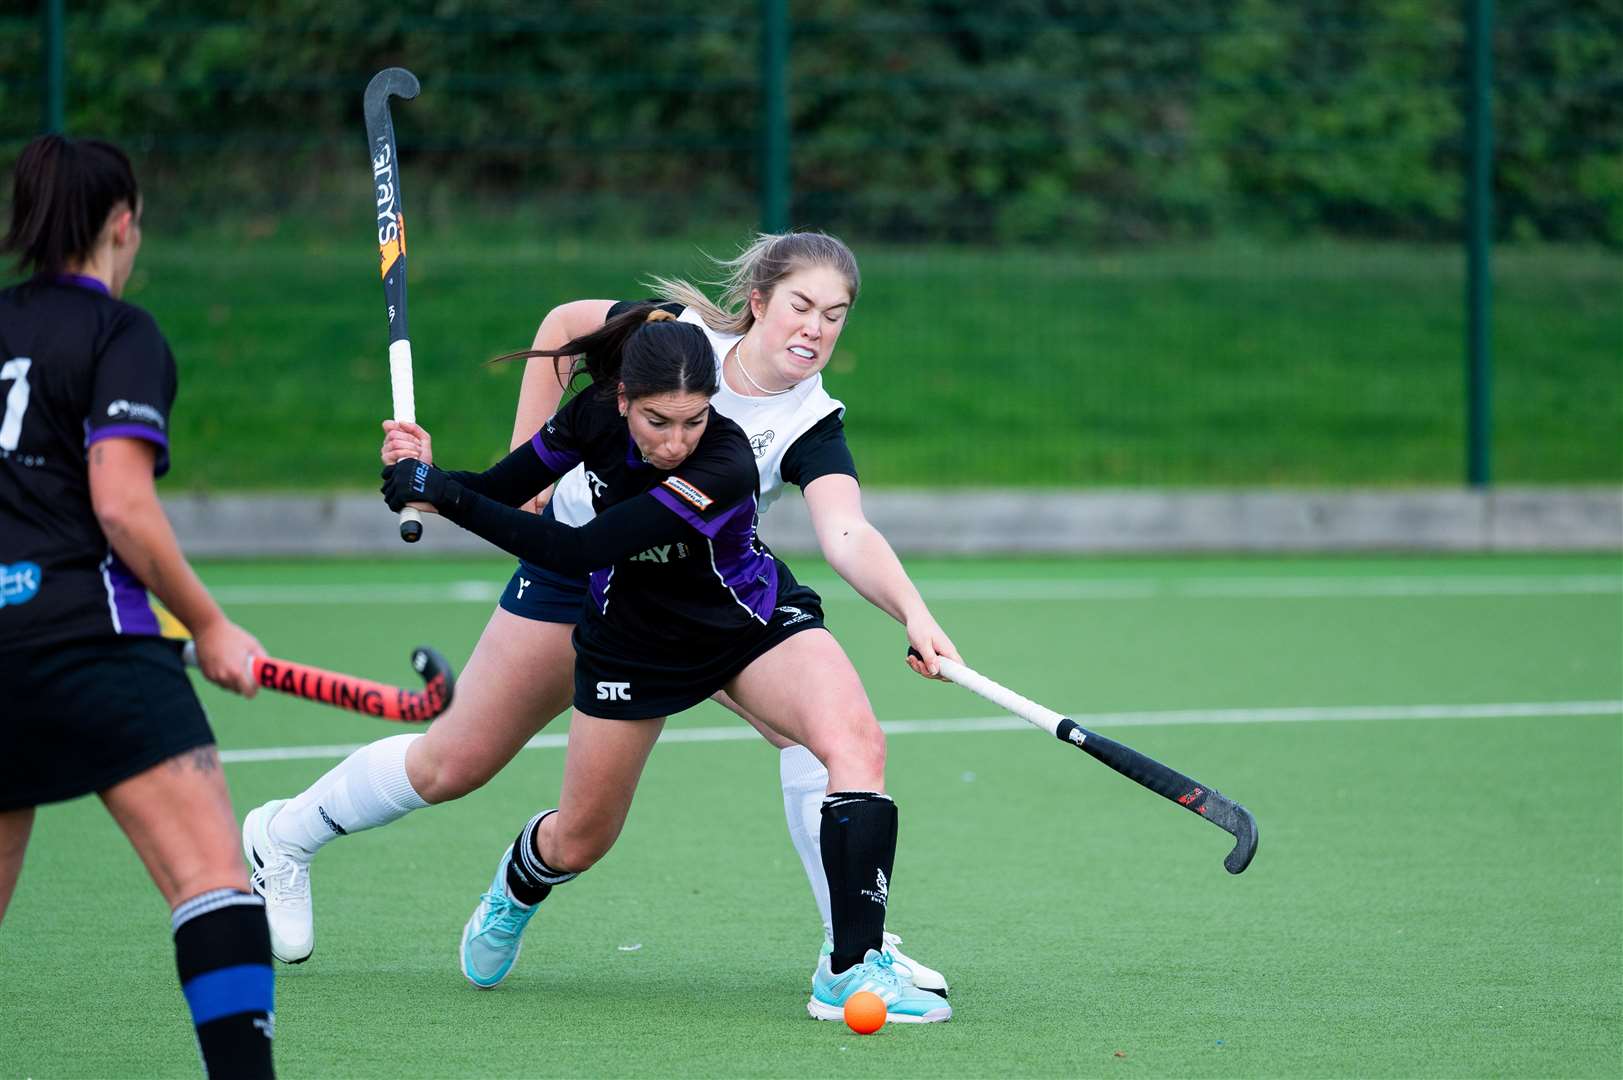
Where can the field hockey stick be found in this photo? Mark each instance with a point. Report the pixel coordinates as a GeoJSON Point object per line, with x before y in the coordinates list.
{"type": "Point", "coordinates": [1215, 807]}
{"type": "Point", "coordinates": [354, 693]}
{"type": "Point", "coordinates": [392, 248]}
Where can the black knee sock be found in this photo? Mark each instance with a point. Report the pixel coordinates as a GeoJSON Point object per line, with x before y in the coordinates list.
{"type": "Point", "coordinates": [859, 849]}
{"type": "Point", "coordinates": [222, 948]}
{"type": "Point", "coordinates": [530, 879]}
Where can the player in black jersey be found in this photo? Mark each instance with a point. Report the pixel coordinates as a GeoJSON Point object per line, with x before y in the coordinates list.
{"type": "Point", "coordinates": [685, 602]}
{"type": "Point", "coordinates": [91, 699]}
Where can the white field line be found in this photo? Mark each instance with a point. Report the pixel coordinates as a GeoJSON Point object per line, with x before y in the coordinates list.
{"type": "Point", "coordinates": [742, 732]}
{"type": "Point", "coordinates": [1005, 589]}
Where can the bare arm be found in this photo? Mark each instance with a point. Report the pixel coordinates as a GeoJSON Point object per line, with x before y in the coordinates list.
{"type": "Point", "coordinates": [125, 501]}
{"type": "Point", "coordinates": [542, 388]}
{"type": "Point", "coordinates": [861, 555]}
{"type": "Point", "coordinates": [543, 385]}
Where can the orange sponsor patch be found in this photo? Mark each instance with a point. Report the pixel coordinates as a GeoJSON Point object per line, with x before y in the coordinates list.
{"type": "Point", "coordinates": [688, 493]}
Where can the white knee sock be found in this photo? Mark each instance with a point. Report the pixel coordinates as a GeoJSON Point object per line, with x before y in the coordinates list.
{"type": "Point", "coordinates": [367, 789]}
{"type": "Point", "coordinates": [805, 782]}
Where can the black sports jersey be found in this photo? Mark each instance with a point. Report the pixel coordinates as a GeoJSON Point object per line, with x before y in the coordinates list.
{"type": "Point", "coordinates": [714, 574]}
{"type": "Point", "coordinates": [76, 366]}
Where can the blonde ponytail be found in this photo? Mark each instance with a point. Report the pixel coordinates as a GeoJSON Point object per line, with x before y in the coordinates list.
{"type": "Point", "coordinates": [759, 267]}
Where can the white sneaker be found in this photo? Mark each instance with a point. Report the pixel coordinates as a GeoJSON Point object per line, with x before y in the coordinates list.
{"type": "Point", "coordinates": [281, 875]}
{"type": "Point", "coordinates": [920, 975]}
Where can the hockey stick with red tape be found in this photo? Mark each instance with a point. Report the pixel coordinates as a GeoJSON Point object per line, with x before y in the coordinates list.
{"type": "Point", "coordinates": [354, 693]}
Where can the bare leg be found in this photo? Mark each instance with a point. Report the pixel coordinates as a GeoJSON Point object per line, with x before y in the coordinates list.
{"type": "Point", "coordinates": [15, 825]}
{"type": "Point", "coordinates": [601, 769]}
{"type": "Point", "coordinates": [520, 676]}
{"type": "Point", "coordinates": [178, 816]}
{"type": "Point", "coordinates": [721, 697]}
{"type": "Point", "coordinates": [806, 689]}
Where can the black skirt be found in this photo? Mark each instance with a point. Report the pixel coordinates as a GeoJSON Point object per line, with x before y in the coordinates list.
{"type": "Point", "coordinates": [80, 716]}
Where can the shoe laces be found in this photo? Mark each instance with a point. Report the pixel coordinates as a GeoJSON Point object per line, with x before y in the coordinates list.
{"type": "Point", "coordinates": [502, 915]}
{"type": "Point", "coordinates": [287, 879]}
{"type": "Point", "coordinates": [883, 969]}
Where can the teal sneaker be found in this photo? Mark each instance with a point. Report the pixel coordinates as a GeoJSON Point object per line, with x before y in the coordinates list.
{"type": "Point", "coordinates": [920, 975]}
{"type": "Point", "coordinates": [904, 1002]}
{"type": "Point", "coordinates": [494, 933]}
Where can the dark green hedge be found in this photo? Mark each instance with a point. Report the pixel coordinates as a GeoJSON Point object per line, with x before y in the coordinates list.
{"type": "Point", "coordinates": [1033, 121]}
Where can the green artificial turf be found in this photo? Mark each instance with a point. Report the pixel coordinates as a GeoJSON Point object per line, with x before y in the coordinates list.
{"type": "Point", "coordinates": [1432, 897]}
{"type": "Point", "coordinates": [1230, 364]}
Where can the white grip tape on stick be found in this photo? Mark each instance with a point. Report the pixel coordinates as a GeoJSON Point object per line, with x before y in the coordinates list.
{"type": "Point", "coordinates": [405, 395]}
{"type": "Point", "coordinates": [1001, 695]}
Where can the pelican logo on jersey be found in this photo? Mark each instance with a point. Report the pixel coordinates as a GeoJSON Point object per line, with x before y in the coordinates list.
{"type": "Point", "coordinates": [796, 615]}
{"type": "Point", "coordinates": [19, 583]}
{"type": "Point", "coordinates": [134, 410]}
{"type": "Point", "coordinates": [760, 442]}
{"type": "Point", "coordinates": [614, 691]}
{"type": "Point", "coordinates": [598, 486]}
{"type": "Point", "coordinates": [688, 493]}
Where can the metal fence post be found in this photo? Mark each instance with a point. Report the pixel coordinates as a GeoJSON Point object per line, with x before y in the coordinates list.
{"type": "Point", "coordinates": [1479, 241]}
{"type": "Point", "coordinates": [774, 115]}
{"type": "Point", "coordinates": [55, 65]}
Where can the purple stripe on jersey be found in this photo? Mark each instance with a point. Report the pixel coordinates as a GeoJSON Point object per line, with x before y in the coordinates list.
{"type": "Point", "coordinates": [127, 431]}
{"type": "Point", "coordinates": [133, 431]}
{"type": "Point", "coordinates": [83, 282]}
{"type": "Point", "coordinates": [749, 572]}
{"type": "Point", "coordinates": [634, 458]}
{"type": "Point", "coordinates": [129, 599]}
{"type": "Point", "coordinates": [559, 461]}
{"type": "Point", "coordinates": [598, 583]}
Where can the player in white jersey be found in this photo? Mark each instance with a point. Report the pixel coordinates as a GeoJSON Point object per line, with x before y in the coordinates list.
{"type": "Point", "coordinates": [774, 331]}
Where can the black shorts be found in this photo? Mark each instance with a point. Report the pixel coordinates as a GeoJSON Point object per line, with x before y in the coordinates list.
{"type": "Point", "coordinates": [620, 684]}
{"type": "Point", "coordinates": [81, 716]}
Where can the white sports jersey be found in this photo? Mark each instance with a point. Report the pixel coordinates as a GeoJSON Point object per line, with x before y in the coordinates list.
{"type": "Point", "coordinates": [772, 424]}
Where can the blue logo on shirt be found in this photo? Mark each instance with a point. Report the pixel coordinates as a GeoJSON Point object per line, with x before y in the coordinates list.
{"type": "Point", "coordinates": [19, 583]}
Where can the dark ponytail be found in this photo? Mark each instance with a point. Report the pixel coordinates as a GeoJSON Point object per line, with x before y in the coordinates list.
{"type": "Point", "coordinates": [643, 347]}
{"type": "Point", "coordinates": [63, 190]}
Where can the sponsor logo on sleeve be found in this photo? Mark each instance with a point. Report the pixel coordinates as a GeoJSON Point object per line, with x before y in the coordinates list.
{"type": "Point", "coordinates": [688, 493]}
{"type": "Point", "coordinates": [135, 410]}
{"type": "Point", "coordinates": [19, 583]}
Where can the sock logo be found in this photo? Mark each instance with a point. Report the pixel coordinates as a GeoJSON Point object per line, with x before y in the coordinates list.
{"type": "Point", "coordinates": [266, 1025]}
{"type": "Point", "coordinates": [331, 824]}
{"type": "Point", "coordinates": [880, 893]}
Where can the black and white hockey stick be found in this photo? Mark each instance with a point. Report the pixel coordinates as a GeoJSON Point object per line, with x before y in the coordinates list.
{"type": "Point", "coordinates": [1215, 807]}
{"type": "Point", "coordinates": [402, 84]}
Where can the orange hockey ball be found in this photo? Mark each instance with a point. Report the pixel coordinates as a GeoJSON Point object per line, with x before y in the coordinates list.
{"type": "Point", "coordinates": [864, 1012]}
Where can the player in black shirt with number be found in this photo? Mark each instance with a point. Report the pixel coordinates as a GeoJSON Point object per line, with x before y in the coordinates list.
{"type": "Point", "coordinates": [91, 699]}
{"type": "Point", "coordinates": [684, 601]}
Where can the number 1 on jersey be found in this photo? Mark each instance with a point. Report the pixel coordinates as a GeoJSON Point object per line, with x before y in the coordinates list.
{"type": "Point", "coordinates": [11, 428]}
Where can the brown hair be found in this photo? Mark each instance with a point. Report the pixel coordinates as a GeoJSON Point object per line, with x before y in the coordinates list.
{"type": "Point", "coordinates": [62, 191]}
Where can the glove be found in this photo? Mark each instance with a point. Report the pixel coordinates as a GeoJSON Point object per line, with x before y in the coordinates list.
{"type": "Point", "coordinates": [409, 480]}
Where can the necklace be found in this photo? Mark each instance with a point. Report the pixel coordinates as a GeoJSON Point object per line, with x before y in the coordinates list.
{"type": "Point", "coordinates": [738, 354]}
